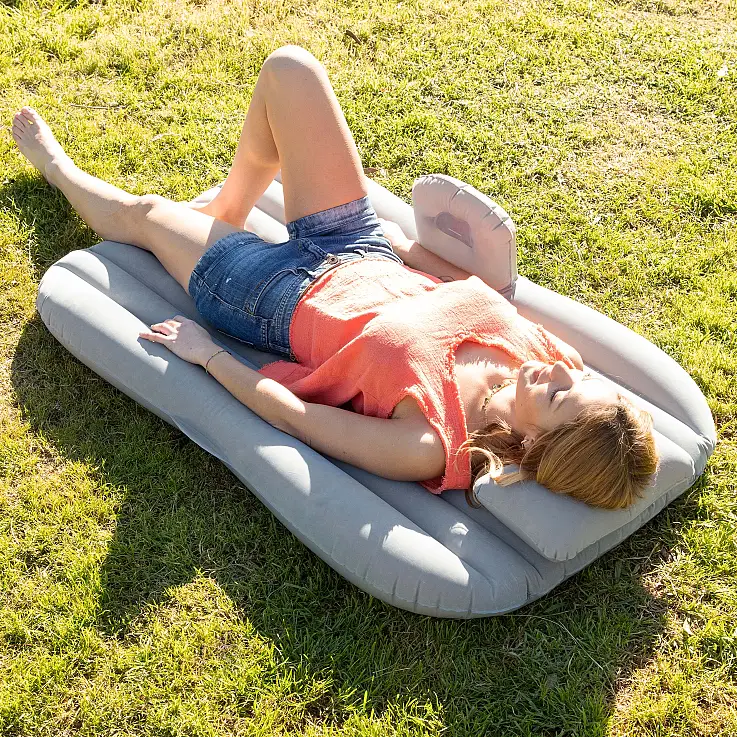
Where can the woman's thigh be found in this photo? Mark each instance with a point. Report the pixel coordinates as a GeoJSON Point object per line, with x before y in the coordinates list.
{"type": "Point", "coordinates": [320, 164]}
{"type": "Point", "coordinates": [176, 234]}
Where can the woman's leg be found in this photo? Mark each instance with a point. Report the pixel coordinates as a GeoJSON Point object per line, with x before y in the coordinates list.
{"type": "Point", "coordinates": [174, 233]}
{"type": "Point", "coordinates": [294, 123]}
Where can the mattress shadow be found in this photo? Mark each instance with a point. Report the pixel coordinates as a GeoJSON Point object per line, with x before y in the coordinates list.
{"type": "Point", "coordinates": [556, 665]}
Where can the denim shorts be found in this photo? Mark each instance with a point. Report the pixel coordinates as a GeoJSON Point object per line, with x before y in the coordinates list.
{"type": "Point", "coordinates": [249, 289]}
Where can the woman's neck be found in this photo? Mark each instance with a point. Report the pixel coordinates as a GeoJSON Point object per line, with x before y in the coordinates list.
{"type": "Point", "coordinates": [478, 369]}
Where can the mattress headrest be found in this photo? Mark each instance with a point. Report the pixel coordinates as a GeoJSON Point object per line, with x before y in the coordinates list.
{"type": "Point", "coordinates": [463, 226]}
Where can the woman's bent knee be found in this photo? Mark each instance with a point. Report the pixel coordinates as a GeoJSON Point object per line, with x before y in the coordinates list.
{"type": "Point", "coordinates": [145, 203]}
{"type": "Point", "coordinates": [289, 62]}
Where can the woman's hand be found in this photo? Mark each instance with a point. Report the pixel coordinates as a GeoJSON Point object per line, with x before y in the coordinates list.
{"type": "Point", "coordinates": [184, 338]}
{"type": "Point", "coordinates": [394, 233]}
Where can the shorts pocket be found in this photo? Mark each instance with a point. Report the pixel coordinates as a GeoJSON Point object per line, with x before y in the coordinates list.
{"type": "Point", "coordinates": [269, 297]}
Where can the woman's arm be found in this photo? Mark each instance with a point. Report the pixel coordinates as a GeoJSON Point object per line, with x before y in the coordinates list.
{"type": "Point", "coordinates": [419, 258]}
{"type": "Point", "coordinates": [405, 449]}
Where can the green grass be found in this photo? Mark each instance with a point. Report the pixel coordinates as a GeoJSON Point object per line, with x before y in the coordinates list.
{"type": "Point", "coordinates": [143, 591]}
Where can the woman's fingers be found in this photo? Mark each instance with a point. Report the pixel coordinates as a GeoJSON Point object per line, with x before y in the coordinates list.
{"type": "Point", "coordinates": [170, 326]}
{"type": "Point", "coordinates": [164, 327]}
{"type": "Point", "coordinates": [183, 337]}
{"type": "Point", "coordinates": [155, 337]}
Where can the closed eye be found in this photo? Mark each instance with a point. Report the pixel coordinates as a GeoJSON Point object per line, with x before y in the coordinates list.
{"type": "Point", "coordinates": [585, 377]}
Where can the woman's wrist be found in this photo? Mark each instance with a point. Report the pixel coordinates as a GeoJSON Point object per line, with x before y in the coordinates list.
{"type": "Point", "coordinates": [208, 352]}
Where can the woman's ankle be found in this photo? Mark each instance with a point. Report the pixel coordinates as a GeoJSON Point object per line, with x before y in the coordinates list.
{"type": "Point", "coordinates": [54, 171]}
{"type": "Point", "coordinates": [222, 210]}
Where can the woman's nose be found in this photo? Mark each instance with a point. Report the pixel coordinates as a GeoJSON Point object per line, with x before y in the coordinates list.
{"type": "Point", "coordinates": [562, 374]}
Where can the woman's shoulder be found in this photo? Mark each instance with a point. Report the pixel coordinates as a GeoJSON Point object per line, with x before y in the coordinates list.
{"type": "Point", "coordinates": [564, 349]}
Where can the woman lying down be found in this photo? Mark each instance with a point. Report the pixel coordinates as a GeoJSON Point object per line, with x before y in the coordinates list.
{"type": "Point", "coordinates": [446, 380]}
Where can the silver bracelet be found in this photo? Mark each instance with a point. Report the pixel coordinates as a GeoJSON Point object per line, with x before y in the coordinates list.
{"type": "Point", "coordinates": [222, 350]}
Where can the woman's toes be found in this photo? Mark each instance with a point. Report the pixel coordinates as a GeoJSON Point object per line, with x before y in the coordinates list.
{"type": "Point", "coordinates": [35, 140]}
{"type": "Point", "coordinates": [21, 121]}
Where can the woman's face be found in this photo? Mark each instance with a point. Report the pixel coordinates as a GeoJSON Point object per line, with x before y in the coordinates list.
{"type": "Point", "coordinates": [549, 395]}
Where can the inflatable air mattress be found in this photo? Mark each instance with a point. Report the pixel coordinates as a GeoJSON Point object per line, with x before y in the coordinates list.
{"type": "Point", "coordinates": [429, 554]}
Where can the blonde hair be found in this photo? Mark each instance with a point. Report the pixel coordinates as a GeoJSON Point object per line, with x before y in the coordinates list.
{"type": "Point", "coordinates": [605, 457]}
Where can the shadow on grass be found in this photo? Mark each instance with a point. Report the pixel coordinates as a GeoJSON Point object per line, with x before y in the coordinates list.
{"type": "Point", "coordinates": [550, 669]}
{"type": "Point", "coordinates": [54, 227]}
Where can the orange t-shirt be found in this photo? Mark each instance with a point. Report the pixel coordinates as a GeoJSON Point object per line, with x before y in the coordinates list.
{"type": "Point", "coordinates": [374, 331]}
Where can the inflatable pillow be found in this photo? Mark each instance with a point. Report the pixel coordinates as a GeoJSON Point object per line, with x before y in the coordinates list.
{"type": "Point", "coordinates": [429, 554]}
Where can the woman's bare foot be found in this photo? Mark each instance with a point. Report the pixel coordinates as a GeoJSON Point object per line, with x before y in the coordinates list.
{"type": "Point", "coordinates": [35, 139]}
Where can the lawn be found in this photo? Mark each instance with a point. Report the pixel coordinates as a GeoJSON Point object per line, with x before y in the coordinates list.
{"type": "Point", "coordinates": [144, 591]}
